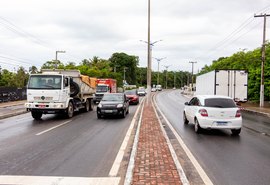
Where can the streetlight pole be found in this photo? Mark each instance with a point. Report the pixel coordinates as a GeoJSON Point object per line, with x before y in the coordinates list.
{"type": "Point", "coordinates": [166, 74]}
{"type": "Point", "coordinates": [192, 75]}
{"type": "Point", "coordinates": [56, 59]}
{"type": "Point", "coordinates": [174, 79]}
{"type": "Point", "coordinates": [158, 60]}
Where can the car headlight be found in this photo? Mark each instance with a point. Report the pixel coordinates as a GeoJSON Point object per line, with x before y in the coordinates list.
{"type": "Point", "coordinates": [99, 105]}
{"type": "Point", "coordinates": [120, 105]}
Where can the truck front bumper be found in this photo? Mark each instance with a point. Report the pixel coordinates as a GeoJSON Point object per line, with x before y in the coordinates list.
{"type": "Point", "coordinates": [46, 108]}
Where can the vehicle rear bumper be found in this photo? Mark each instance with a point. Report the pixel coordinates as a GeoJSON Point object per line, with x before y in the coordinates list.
{"type": "Point", "coordinates": [221, 124]}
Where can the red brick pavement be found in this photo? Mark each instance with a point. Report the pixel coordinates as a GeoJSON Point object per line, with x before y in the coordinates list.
{"type": "Point", "coordinates": [153, 163]}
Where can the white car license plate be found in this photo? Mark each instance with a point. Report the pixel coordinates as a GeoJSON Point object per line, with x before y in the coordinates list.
{"type": "Point", "coordinates": [222, 123]}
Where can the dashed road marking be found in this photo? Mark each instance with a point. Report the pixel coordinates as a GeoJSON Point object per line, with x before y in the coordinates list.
{"type": "Point", "coordinates": [45, 131]}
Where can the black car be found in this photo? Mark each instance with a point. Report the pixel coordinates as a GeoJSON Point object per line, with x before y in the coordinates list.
{"type": "Point", "coordinates": [113, 104]}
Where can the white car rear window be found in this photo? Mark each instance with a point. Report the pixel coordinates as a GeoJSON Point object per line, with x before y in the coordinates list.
{"type": "Point", "coordinates": [219, 103]}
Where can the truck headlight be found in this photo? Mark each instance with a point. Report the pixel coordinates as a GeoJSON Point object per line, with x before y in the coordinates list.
{"type": "Point", "coordinates": [120, 105]}
{"type": "Point", "coordinates": [99, 105]}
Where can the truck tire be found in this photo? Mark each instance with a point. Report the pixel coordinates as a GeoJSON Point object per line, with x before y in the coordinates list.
{"type": "Point", "coordinates": [70, 110]}
{"type": "Point", "coordinates": [87, 105]}
{"type": "Point", "coordinates": [36, 115]}
{"type": "Point", "coordinates": [74, 88]}
{"type": "Point", "coordinates": [91, 105]}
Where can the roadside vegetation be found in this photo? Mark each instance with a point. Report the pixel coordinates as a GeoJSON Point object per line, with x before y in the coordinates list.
{"type": "Point", "coordinates": [121, 65]}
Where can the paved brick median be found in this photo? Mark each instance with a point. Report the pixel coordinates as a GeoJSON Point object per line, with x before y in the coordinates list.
{"type": "Point", "coordinates": [153, 163]}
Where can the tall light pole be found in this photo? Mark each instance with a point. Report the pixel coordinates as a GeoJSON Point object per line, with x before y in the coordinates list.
{"type": "Point", "coordinates": [56, 53]}
{"type": "Point", "coordinates": [56, 59]}
{"type": "Point", "coordinates": [166, 74]}
{"type": "Point", "coordinates": [263, 60]}
{"type": "Point", "coordinates": [174, 79]}
{"type": "Point", "coordinates": [158, 60]}
{"type": "Point", "coordinates": [192, 74]}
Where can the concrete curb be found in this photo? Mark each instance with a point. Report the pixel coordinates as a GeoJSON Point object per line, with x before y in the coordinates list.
{"type": "Point", "coordinates": [15, 113]}
{"type": "Point", "coordinates": [256, 112]}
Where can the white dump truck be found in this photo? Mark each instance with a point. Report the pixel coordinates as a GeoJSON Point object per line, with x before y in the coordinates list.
{"type": "Point", "coordinates": [59, 92]}
{"type": "Point", "coordinates": [232, 83]}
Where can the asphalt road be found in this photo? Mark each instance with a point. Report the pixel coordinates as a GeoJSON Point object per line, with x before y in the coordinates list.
{"type": "Point", "coordinates": [83, 146]}
{"type": "Point", "coordinates": [227, 160]}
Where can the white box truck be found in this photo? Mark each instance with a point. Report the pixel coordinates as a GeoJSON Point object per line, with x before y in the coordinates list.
{"type": "Point", "coordinates": [59, 92]}
{"type": "Point", "coordinates": [232, 83]}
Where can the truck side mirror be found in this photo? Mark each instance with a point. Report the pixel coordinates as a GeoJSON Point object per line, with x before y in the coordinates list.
{"type": "Point", "coordinates": [66, 82]}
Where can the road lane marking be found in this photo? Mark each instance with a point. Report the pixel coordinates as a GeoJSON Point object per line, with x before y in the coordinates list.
{"type": "Point", "coordinates": [196, 164]}
{"type": "Point", "coordinates": [121, 152]}
{"type": "Point", "coordinates": [45, 180]}
{"type": "Point", "coordinates": [43, 132]}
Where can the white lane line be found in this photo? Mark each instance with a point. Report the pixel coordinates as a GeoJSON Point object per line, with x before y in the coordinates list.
{"type": "Point", "coordinates": [45, 180]}
{"type": "Point", "coordinates": [40, 133]}
{"type": "Point", "coordinates": [121, 152]}
{"type": "Point", "coordinates": [196, 164]}
{"type": "Point", "coordinates": [131, 163]}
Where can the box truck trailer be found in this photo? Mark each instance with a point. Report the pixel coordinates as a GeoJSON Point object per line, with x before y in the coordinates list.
{"type": "Point", "coordinates": [232, 83]}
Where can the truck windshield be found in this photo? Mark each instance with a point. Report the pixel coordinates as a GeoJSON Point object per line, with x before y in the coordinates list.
{"type": "Point", "coordinates": [102, 89]}
{"type": "Point", "coordinates": [44, 82]}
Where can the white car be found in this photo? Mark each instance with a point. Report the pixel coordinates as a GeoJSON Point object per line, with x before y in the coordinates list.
{"type": "Point", "coordinates": [213, 112]}
{"type": "Point", "coordinates": [141, 92]}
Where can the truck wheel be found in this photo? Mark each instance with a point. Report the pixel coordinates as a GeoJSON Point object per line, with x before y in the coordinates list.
{"type": "Point", "coordinates": [91, 106]}
{"type": "Point", "coordinates": [36, 115]}
{"type": "Point", "coordinates": [87, 106]}
{"type": "Point", "coordinates": [70, 110]}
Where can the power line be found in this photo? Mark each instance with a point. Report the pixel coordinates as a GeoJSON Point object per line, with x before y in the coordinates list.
{"type": "Point", "coordinates": [233, 34]}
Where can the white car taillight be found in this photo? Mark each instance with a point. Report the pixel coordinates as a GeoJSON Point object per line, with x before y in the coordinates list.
{"type": "Point", "coordinates": [203, 112]}
{"type": "Point", "coordinates": [238, 113]}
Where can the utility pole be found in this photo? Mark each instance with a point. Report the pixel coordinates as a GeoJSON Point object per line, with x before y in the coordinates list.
{"type": "Point", "coordinates": [124, 81]}
{"type": "Point", "coordinates": [174, 79]}
{"type": "Point", "coordinates": [263, 59]}
{"type": "Point", "coordinates": [56, 53]}
{"type": "Point", "coordinates": [158, 60]}
{"type": "Point", "coordinates": [192, 74]}
{"type": "Point", "coordinates": [166, 74]}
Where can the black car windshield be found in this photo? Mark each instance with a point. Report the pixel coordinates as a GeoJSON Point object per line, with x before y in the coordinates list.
{"type": "Point", "coordinates": [219, 103]}
{"type": "Point", "coordinates": [113, 97]}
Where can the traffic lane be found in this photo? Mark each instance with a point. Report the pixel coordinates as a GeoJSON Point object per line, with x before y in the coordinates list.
{"type": "Point", "coordinates": [85, 147]}
{"type": "Point", "coordinates": [225, 158]}
{"type": "Point", "coordinates": [256, 122]}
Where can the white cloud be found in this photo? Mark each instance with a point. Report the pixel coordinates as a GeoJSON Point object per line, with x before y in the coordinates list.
{"type": "Point", "coordinates": [87, 28]}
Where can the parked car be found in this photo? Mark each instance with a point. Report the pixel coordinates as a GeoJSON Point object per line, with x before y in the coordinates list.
{"type": "Point", "coordinates": [113, 104]}
{"type": "Point", "coordinates": [213, 112]}
{"type": "Point", "coordinates": [132, 96]}
{"type": "Point", "coordinates": [141, 92]}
